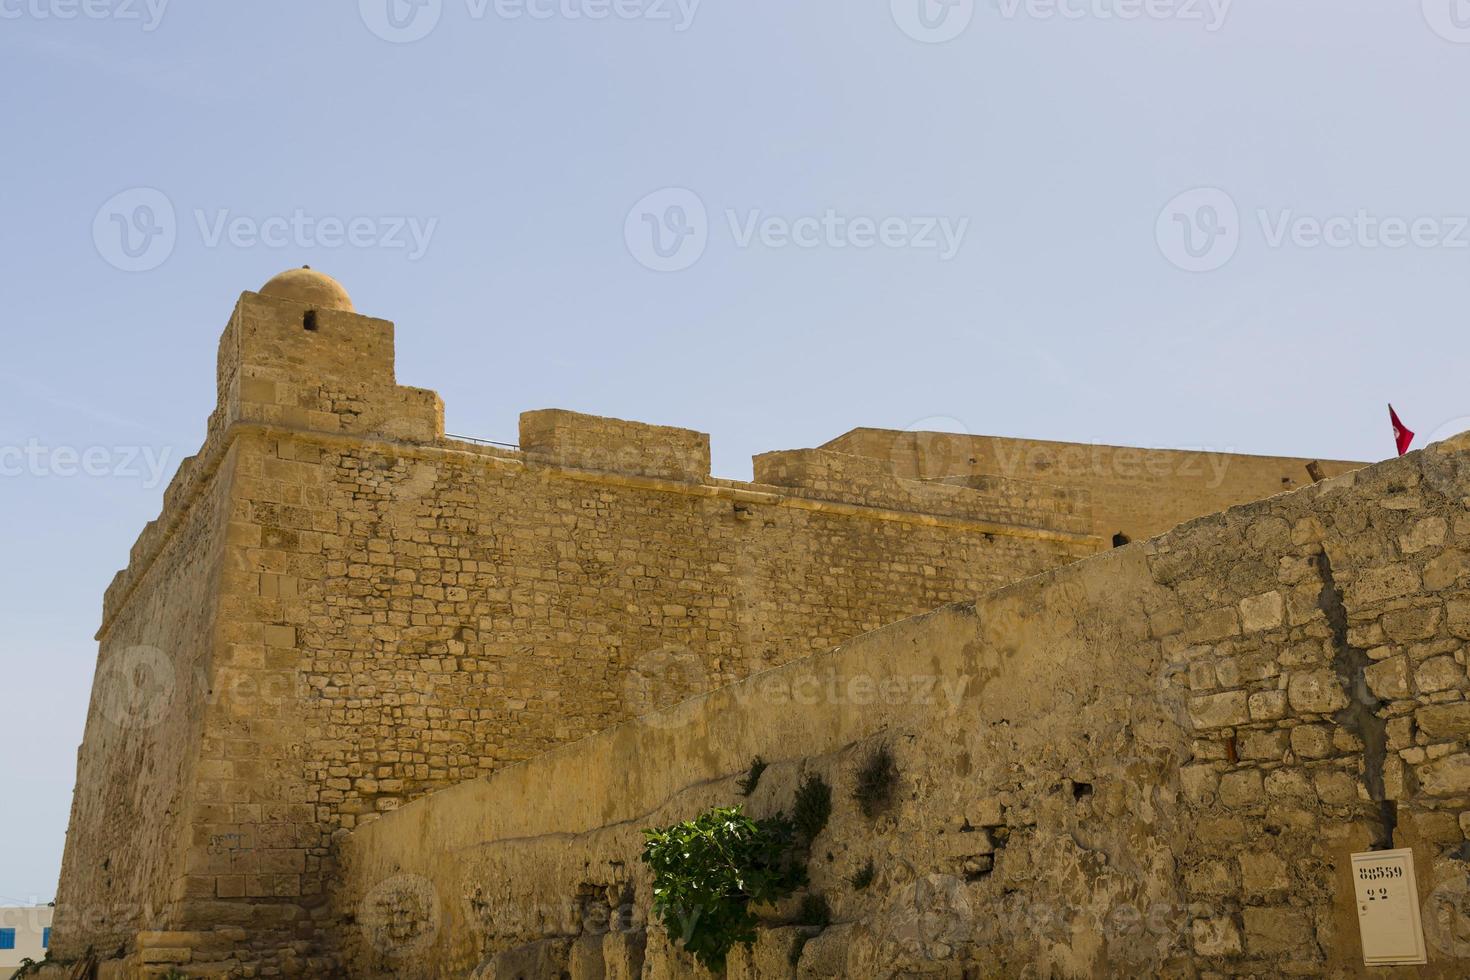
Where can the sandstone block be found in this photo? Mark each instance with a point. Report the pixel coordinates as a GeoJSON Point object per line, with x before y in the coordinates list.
{"type": "Point", "coordinates": [1262, 746]}
{"type": "Point", "coordinates": [1219, 710]}
{"type": "Point", "coordinates": [1212, 878]}
{"type": "Point", "coordinates": [1388, 679]}
{"type": "Point", "coordinates": [1262, 612]}
{"type": "Point", "coordinates": [1311, 741]}
{"type": "Point", "coordinates": [1216, 936]}
{"type": "Point", "coordinates": [1317, 691]}
{"type": "Point", "coordinates": [1439, 674]}
{"type": "Point", "coordinates": [1244, 788]}
{"type": "Point", "coordinates": [1406, 625]}
{"type": "Point", "coordinates": [1444, 720]}
{"type": "Point", "coordinates": [1389, 582]}
{"type": "Point", "coordinates": [1446, 570]}
{"type": "Point", "coordinates": [1263, 874]}
{"type": "Point", "coordinates": [1267, 705]}
{"type": "Point", "coordinates": [1274, 931]}
{"type": "Point", "coordinates": [1449, 776]}
{"type": "Point", "coordinates": [1335, 787]}
{"type": "Point", "coordinates": [1199, 783]}
{"type": "Point", "coordinates": [1427, 533]}
{"type": "Point", "coordinates": [1288, 784]}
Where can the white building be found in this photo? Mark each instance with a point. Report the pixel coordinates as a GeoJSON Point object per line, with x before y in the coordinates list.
{"type": "Point", "coordinates": [25, 933]}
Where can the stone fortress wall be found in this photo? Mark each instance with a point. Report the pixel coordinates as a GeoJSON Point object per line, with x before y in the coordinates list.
{"type": "Point", "coordinates": [1138, 493]}
{"type": "Point", "coordinates": [341, 609]}
{"type": "Point", "coordinates": [1154, 762]}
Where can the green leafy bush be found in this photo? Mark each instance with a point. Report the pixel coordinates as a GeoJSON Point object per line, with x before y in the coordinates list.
{"type": "Point", "coordinates": [707, 872]}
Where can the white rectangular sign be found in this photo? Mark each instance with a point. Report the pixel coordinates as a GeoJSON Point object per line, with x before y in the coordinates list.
{"type": "Point", "coordinates": [1388, 907]}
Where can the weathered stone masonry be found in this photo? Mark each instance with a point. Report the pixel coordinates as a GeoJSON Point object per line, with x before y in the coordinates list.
{"type": "Point", "coordinates": [1161, 761]}
{"type": "Point", "coordinates": [341, 610]}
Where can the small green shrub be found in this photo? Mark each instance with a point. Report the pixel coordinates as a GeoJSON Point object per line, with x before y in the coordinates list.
{"type": "Point", "coordinates": [707, 872]}
{"type": "Point", "coordinates": [814, 911]}
{"type": "Point", "coordinates": [813, 806]}
{"type": "Point", "coordinates": [748, 784]}
{"type": "Point", "coordinates": [864, 876]}
{"type": "Point", "coordinates": [877, 778]}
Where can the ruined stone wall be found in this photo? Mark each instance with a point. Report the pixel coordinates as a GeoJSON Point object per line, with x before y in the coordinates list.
{"type": "Point", "coordinates": [1153, 762]}
{"type": "Point", "coordinates": [1139, 493]}
{"type": "Point", "coordinates": [370, 611]}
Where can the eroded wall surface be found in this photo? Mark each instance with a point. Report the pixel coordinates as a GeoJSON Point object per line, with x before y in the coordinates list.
{"type": "Point", "coordinates": [1139, 493]}
{"type": "Point", "coordinates": [1156, 761]}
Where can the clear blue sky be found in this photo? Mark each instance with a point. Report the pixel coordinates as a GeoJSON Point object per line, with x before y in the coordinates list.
{"type": "Point", "coordinates": [1051, 147]}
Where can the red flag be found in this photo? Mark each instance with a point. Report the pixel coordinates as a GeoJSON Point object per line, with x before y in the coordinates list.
{"type": "Point", "coordinates": [1401, 434]}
